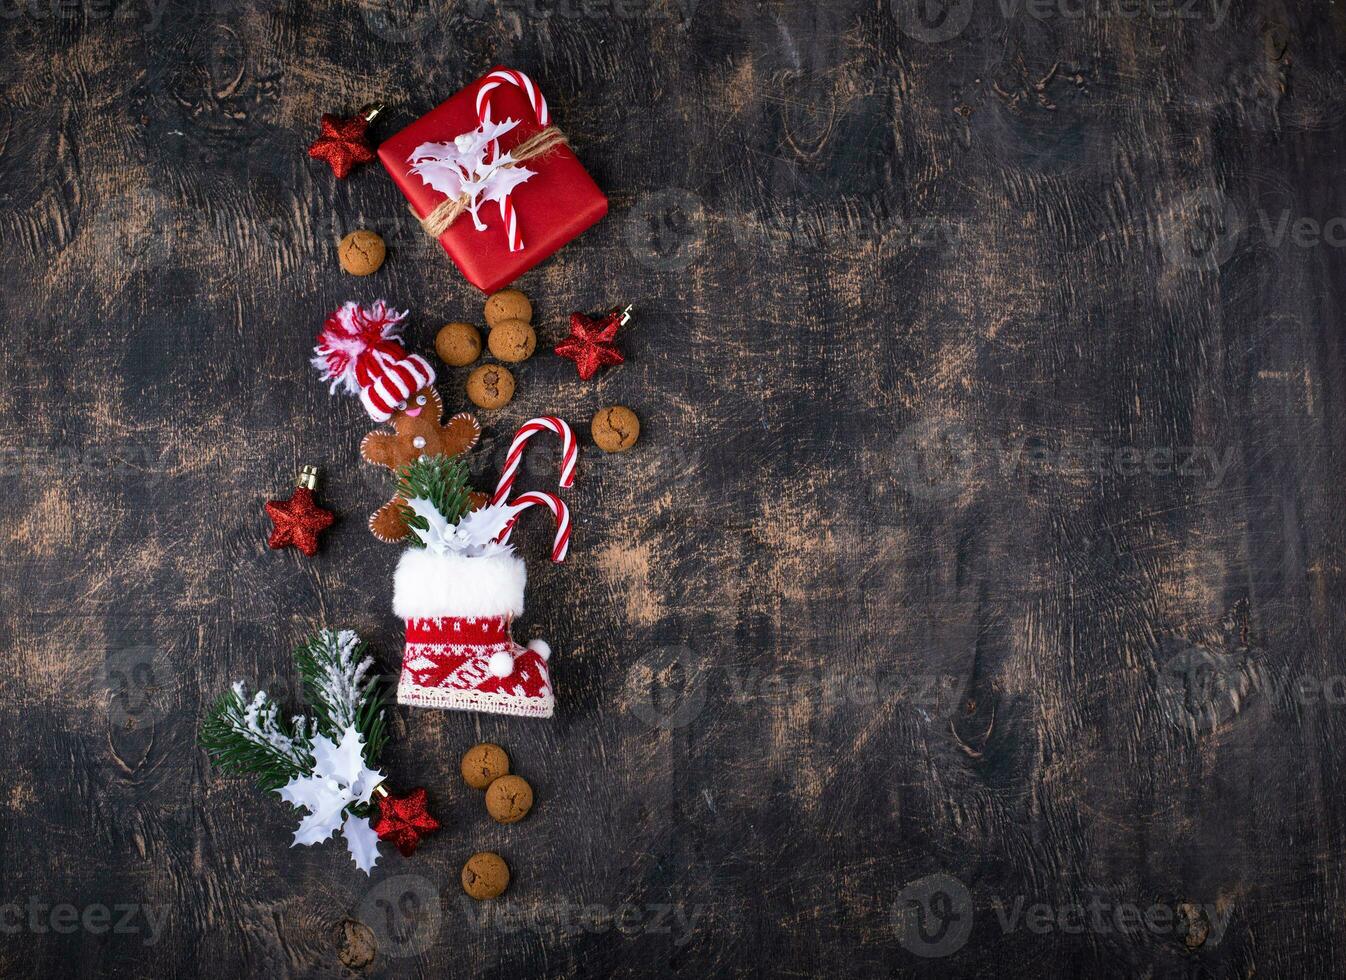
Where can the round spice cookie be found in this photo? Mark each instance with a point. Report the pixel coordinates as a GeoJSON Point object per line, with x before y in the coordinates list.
{"type": "Point", "coordinates": [458, 344]}
{"type": "Point", "coordinates": [615, 428]}
{"type": "Point", "coordinates": [512, 341]}
{"type": "Point", "coordinates": [361, 252]}
{"type": "Point", "coordinates": [508, 304]}
{"type": "Point", "coordinates": [509, 799]}
{"type": "Point", "coordinates": [490, 386]}
{"type": "Point", "coordinates": [484, 764]}
{"type": "Point", "coordinates": [485, 875]}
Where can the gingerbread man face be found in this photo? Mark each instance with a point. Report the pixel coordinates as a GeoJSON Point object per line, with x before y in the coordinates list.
{"type": "Point", "coordinates": [417, 431]}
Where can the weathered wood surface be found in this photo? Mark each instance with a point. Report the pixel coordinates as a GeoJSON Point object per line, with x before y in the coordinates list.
{"type": "Point", "coordinates": [986, 523]}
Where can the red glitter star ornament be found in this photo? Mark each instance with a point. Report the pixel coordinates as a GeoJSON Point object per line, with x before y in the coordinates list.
{"type": "Point", "coordinates": [591, 342]}
{"type": "Point", "coordinates": [299, 520]}
{"type": "Point", "coordinates": [404, 820]}
{"type": "Point", "coordinates": [345, 140]}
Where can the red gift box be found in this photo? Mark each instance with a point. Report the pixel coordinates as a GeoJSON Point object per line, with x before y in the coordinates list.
{"type": "Point", "coordinates": [553, 206]}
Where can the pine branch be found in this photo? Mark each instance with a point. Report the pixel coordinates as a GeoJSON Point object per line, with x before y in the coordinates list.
{"type": "Point", "coordinates": [334, 670]}
{"type": "Point", "coordinates": [442, 480]}
{"type": "Point", "coordinates": [245, 736]}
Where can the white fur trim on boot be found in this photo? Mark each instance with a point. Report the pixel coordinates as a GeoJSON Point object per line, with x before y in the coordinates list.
{"type": "Point", "coordinates": [541, 647]}
{"type": "Point", "coordinates": [429, 585]}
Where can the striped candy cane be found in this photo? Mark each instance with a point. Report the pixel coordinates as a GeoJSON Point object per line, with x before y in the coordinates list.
{"type": "Point", "coordinates": [560, 511]}
{"type": "Point", "coordinates": [507, 76]}
{"type": "Point", "coordinates": [570, 452]}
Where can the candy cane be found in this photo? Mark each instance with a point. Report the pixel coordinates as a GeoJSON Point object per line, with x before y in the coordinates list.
{"type": "Point", "coordinates": [560, 511]}
{"type": "Point", "coordinates": [570, 452]}
{"type": "Point", "coordinates": [493, 81]}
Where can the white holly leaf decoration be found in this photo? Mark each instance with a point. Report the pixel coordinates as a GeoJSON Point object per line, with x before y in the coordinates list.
{"type": "Point", "coordinates": [361, 841]}
{"type": "Point", "coordinates": [339, 778]}
{"type": "Point", "coordinates": [504, 180]}
{"type": "Point", "coordinates": [436, 532]}
{"type": "Point", "coordinates": [324, 817]}
{"type": "Point", "coordinates": [460, 168]}
{"type": "Point", "coordinates": [481, 527]}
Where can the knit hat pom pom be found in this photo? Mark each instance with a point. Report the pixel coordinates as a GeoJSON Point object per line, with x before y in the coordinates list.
{"type": "Point", "coordinates": [359, 350]}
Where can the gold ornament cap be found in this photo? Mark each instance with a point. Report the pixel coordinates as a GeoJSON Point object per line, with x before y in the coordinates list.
{"type": "Point", "coordinates": [371, 109]}
{"type": "Point", "coordinates": [307, 478]}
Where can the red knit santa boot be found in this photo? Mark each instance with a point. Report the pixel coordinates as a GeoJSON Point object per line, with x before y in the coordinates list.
{"type": "Point", "coordinates": [461, 586]}
{"type": "Point", "coordinates": [459, 651]}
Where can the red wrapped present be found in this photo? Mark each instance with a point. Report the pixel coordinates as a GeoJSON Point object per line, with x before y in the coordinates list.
{"type": "Point", "coordinates": [492, 177]}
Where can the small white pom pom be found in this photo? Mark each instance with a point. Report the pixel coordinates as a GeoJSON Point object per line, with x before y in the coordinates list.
{"type": "Point", "coordinates": [541, 648]}
{"type": "Point", "coordinates": [501, 664]}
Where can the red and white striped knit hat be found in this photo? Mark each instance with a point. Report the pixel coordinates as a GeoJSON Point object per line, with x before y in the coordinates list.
{"type": "Point", "coordinates": [360, 350]}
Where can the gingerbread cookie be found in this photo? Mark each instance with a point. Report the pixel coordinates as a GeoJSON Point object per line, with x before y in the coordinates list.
{"type": "Point", "coordinates": [458, 344]}
{"type": "Point", "coordinates": [485, 875]}
{"type": "Point", "coordinates": [512, 341]}
{"type": "Point", "coordinates": [361, 252]}
{"type": "Point", "coordinates": [615, 428]}
{"type": "Point", "coordinates": [508, 304]}
{"type": "Point", "coordinates": [417, 432]}
{"type": "Point", "coordinates": [509, 799]}
{"type": "Point", "coordinates": [483, 764]}
{"type": "Point", "coordinates": [490, 386]}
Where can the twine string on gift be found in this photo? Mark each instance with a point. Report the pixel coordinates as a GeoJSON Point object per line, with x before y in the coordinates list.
{"type": "Point", "coordinates": [450, 210]}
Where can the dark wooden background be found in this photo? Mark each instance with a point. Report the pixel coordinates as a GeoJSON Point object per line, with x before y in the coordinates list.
{"type": "Point", "coordinates": [982, 550]}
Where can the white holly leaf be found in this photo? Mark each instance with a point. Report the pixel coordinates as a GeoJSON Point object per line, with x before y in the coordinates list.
{"type": "Point", "coordinates": [320, 824]}
{"type": "Point", "coordinates": [361, 841]}
{"type": "Point", "coordinates": [498, 185]}
{"type": "Point", "coordinates": [439, 167]}
{"type": "Point", "coordinates": [365, 784]}
{"type": "Point", "coordinates": [460, 169]}
{"type": "Point", "coordinates": [341, 762]}
{"type": "Point", "coordinates": [436, 530]}
{"type": "Point", "coordinates": [307, 791]}
{"type": "Point", "coordinates": [481, 527]}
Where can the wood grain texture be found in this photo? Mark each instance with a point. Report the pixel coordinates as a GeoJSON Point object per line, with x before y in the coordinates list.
{"type": "Point", "coordinates": [982, 550]}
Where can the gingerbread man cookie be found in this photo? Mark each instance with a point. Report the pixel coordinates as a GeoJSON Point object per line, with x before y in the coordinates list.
{"type": "Point", "coordinates": [417, 432]}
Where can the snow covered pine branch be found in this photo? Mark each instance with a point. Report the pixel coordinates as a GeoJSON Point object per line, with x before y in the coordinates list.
{"type": "Point", "coordinates": [322, 763]}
